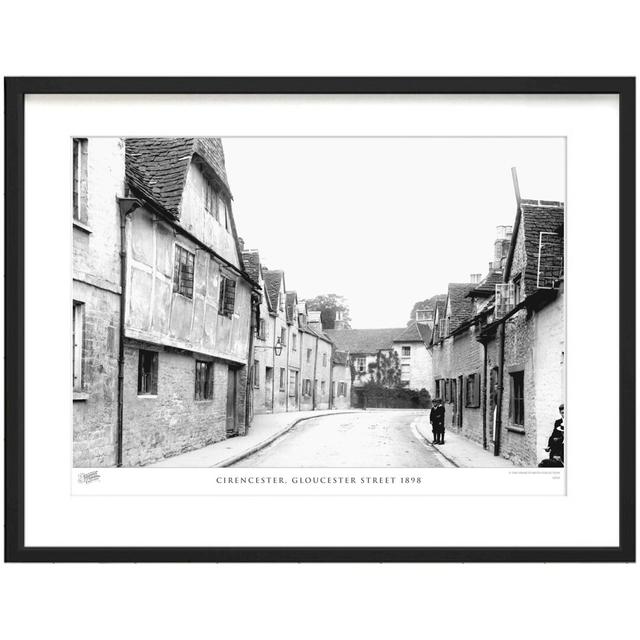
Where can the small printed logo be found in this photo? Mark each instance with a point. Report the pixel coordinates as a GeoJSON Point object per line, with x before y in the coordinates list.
{"type": "Point", "coordinates": [89, 476]}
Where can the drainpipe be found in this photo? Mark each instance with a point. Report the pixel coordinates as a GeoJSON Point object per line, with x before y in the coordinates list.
{"type": "Point", "coordinates": [315, 384]}
{"type": "Point", "coordinates": [126, 206]}
{"type": "Point", "coordinates": [250, 365]}
{"type": "Point", "coordinates": [505, 279]}
{"type": "Point", "coordinates": [273, 363]}
{"type": "Point", "coordinates": [331, 398]}
{"type": "Point", "coordinates": [484, 396]}
{"type": "Point", "coordinates": [287, 376]}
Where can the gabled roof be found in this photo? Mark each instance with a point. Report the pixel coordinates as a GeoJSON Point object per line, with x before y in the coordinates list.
{"type": "Point", "coordinates": [414, 333]}
{"type": "Point", "coordinates": [461, 306]}
{"type": "Point", "coordinates": [272, 283]}
{"type": "Point", "coordinates": [157, 167]}
{"type": "Point", "coordinates": [291, 306]}
{"type": "Point", "coordinates": [542, 216]}
{"type": "Point", "coordinates": [251, 261]}
{"type": "Point", "coordinates": [364, 340]}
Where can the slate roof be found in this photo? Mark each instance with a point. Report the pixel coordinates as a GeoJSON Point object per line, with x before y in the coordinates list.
{"type": "Point", "coordinates": [251, 261]}
{"type": "Point", "coordinates": [538, 216]}
{"type": "Point", "coordinates": [272, 282]}
{"type": "Point", "coordinates": [414, 333]}
{"type": "Point", "coordinates": [157, 167]}
{"type": "Point", "coordinates": [364, 340]}
{"type": "Point", "coordinates": [461, 305]}
{"type": "Point", "coordinates": [340, 358]}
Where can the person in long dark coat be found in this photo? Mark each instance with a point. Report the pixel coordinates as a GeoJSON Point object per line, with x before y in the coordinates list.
{"type": "Point", "coordinates": [555, 446]}
{"type": "Point", "coordinates": [436, 417]}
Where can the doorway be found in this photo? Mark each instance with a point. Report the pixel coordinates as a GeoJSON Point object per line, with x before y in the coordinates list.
{"type": "Point", "coordinates": [232, 425]}
{"type": "Point", "coordinates": [268, 387]}
{"type": "Point", "coordinates": [460, 401]}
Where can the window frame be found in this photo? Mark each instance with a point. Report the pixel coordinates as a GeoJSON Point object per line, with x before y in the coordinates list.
{"type": "Point", "coordinates": [406, 349]}
{"type": "Point", "coordinates": [153, 373]}
{"type": "Point", "coordinates": [78, 345]}
{"type": "Point", "coordinates": [227, 296]}
{"type": "Point", "coordinates": [203, 391]}
{"type": "Point", "coordinates": [283, 379]}
{"type": "Point", "coordinates": [80, 180]}
{"type": "Point", "coordinates": [472, 390]}
{"type": "Point", "coordinates": [517, 409]}
{"type": "Point", "coordinates": [181, 284]}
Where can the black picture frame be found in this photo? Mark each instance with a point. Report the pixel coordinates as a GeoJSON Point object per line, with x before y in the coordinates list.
{"type": "Point", "coordinates": [15, 91]}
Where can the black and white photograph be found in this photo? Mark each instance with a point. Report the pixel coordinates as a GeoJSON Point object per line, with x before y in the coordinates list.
{"type": "Point", "coordinates": [318, 302]}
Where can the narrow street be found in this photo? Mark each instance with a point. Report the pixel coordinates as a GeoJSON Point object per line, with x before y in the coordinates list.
{"type": "Point", "coordinates": [371, 439]}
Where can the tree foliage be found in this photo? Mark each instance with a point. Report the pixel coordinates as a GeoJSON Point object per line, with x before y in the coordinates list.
{"type": "Point", "coordinates": [328, 304]}
{"type": "Point", "coordinates": [386, 370]}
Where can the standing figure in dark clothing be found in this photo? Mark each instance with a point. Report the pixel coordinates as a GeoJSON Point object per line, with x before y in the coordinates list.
{"type": "Point", "coordinates": [436, 417]}
{"type": "Point", "coordinates": [555, 446]}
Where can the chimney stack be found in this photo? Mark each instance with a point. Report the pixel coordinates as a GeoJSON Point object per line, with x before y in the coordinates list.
{"type": "Point", "coordinates": [314, 320]}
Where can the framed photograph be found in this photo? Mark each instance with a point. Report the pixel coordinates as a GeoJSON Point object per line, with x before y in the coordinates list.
{"type": "Point", "coordinates": [320, 319]}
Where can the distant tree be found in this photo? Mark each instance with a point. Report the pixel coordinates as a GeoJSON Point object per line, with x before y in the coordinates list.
{"type": "Point", "coordinates": [328, 304]}
{"type": "Point", "coordinates": [386, 371]}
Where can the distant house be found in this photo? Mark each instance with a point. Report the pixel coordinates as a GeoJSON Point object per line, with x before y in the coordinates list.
{"type": "Point", "coordinates": [292, 359]}
{"type": "Point", "coordinates": [341, 381]}
{"type": "Point", "coordinates": [415, 358]}
{"type": "Point", "coordinates": [365, 345]}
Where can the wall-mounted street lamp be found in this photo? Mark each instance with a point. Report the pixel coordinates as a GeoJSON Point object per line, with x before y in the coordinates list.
{"type": "Point", "coordinates": [278, 347]}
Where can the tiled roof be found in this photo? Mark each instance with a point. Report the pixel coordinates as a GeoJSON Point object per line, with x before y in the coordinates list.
{"type": "Point", "coordinates": [542, 216]}
{"type": "Point", "coordinates": [272, 282]}
{"type": "Point", "coordinates": [487, 286]}
{"type": "Point", "coordinates": [251, 261]}
{"type": "Point", "coordinates": [341, 358]}
{"type": "Point", "coordinates": [413, 333]}
{"type": "Point", "coordinates": [363, 340]}
{"type": "Point", "coordinates": [461, 306]}
{"type": "Point", "coordinates": [157, 167]}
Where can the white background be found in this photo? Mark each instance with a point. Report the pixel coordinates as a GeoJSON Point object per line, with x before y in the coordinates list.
{"type": "Point", "coordinates": [466, 38]}
{"type": "Point", "coordinates": [54, 517]}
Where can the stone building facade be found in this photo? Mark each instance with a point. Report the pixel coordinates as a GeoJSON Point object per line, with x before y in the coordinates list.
{"type": "Point", "coordinates": [507, 399]}
{"type": "Point", "coordinates": [174, 366]}
{"type": "Point", "coordinates": [98, 180]}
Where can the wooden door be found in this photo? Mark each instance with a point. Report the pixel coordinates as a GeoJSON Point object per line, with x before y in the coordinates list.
{"type": "Point", "coordinates": [268, 387]}
{"type": "Point", "coordinates": [231, 402]}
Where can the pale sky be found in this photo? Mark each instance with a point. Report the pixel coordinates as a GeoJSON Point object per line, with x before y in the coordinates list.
{"type": "Point", "coordinates": [383, 222]}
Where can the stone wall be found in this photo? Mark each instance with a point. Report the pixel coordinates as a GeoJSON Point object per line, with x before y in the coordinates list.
{"type": "Point", "coordinates": [173, 422]}
{"type": "Point", "coordinates": [95, 408]}
{"type": "Point", "coordinates": [96, 284]}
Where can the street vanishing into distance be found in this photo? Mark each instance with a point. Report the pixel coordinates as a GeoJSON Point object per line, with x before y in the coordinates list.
{"type": "Point", "coordinates": [370, 439]}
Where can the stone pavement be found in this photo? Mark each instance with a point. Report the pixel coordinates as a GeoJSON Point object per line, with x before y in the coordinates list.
{"type": "Point", "coordinates": [264, 430]}
{"type": "Point", "coordinates": [459, 450]}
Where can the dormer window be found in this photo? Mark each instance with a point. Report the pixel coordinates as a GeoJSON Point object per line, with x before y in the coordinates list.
{"type": "Point", "coordinates": [210, 199]}
{"type": "Point", "coordinates": [223, 212]}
